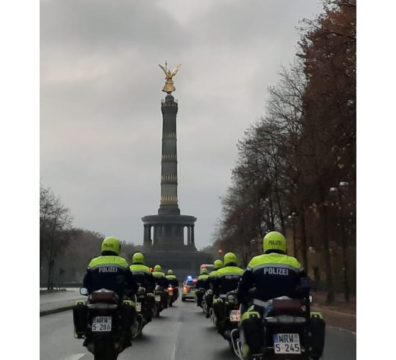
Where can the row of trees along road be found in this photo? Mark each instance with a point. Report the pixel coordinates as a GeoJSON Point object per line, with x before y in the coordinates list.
{"type": "Point", "coordinates": [65, 251]}
{"type": "Point", "coordinates": [296, 166]}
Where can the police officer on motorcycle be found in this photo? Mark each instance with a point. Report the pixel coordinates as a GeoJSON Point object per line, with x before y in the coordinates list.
{"type": "Point", "coordinates": [159, 277]}
{"type": "Point", "coordinates": [226, 280]}
{"type": "Point", "coordinates": [141, 272]}
{"type": "Point", "coordinates": [218, 264]}
{"type": "Point", "coordinates": [270, 275]}
{"type": "Point", "coordinates": [174, 283]}
{"type": "Point", "coordinates": [145, 279]}
{"type": "Point", "coordinates": [172, 279]}
{"type": "Point", "coordinates": [109, 271]}
{"type": "Point", "coordinates": [202, 285]}
{"type": "Point", "coordinates": [162, 283]}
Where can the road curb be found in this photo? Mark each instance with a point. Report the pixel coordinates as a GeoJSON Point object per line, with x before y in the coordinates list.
{"type": "Point", "coordinates": [57, 310]}
{"type": "Point", "coordinates": [321, 308]}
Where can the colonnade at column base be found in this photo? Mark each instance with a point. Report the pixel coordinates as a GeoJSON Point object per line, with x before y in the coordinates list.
{"type": "Point", "coordinates": [181, 262]}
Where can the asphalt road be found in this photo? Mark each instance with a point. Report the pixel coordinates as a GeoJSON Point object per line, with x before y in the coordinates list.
{"type": "Point", "coordinates": [182, 333]}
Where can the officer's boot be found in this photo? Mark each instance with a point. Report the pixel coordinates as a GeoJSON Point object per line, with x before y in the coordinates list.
{"type": "Point", "coordinates": [219, 311]}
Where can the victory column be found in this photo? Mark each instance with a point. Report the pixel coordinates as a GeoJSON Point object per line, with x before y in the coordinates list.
{"type": "Point", "coordinates": [164, 241]}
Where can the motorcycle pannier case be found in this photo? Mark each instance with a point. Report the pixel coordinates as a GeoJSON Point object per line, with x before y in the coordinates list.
{"type": "Point", "coordinates": [80, 312]}
{"type": "Point", "coordinates": [316, 335]}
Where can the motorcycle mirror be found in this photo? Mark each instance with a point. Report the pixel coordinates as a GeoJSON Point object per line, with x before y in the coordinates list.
{"type": "Point", "coordinates": [84, 291]}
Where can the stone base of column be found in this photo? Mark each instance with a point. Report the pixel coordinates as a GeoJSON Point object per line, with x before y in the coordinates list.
{"type": "Point", "coordinates": [169, 231]}
{"type": "Point", "coordinates": [168, 210]}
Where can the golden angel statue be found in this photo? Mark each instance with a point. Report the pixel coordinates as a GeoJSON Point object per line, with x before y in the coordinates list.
{"type": "Point", "coordinates": [169, 87]}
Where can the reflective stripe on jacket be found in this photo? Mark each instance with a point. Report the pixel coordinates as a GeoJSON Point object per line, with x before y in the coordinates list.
{"type": "Point", "coordinates": [143, 276]}
{"type": "Point", "coordinates": [110, 272]}
{"type": "Point", "coordinates": [272, 275]}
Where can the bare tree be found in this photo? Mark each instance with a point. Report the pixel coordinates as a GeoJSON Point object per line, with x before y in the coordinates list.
{"type": "Point", "coordinates": [303, 145]}
{"type": "Point", "coordinates": [55, 220]}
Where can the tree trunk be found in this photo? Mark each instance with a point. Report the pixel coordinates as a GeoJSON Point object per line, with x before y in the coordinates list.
{"type": "Point", "coordinates": [327, 255]}
{"type": "Point", "coordinates": [303, 238]}
{"type": "Point", "coordinates": [344, 258]}
{"type": "Point", "coordinates": [51, 259]}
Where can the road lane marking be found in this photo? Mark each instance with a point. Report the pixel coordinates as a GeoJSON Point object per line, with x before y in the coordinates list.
{"type": "Point", "coordinates": [75, 356]}
{"type": "Point", "coordinates": [178, 324]}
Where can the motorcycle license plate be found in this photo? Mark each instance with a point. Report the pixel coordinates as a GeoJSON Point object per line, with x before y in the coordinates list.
{"type": "Point", "coordinates": [157, 298]}
{"type": "Point", "coordinates": [138, 307]}
{"type": "Point", "coordinates": [287, 344]}
{"type": "Point", "coordinates": [101, 324]}
{"type": "Point", "coordinates": [235, 316]}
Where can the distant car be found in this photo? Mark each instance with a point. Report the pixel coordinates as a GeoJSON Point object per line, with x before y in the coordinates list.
{"type": "Point", "coordinates": [189, 286]}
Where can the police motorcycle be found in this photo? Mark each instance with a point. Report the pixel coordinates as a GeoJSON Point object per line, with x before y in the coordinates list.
{"type": "Point", "coordinates": [161, 299]}
{"type": "Point", "coordinates": [103, 321]}
{"type": "Point", "coordinates": [227, 306]}
{"type": "Point", "coordinates": [144, 310]}
{"type": "Point", "coordinates": [173, 294]}
{"type": "Point", "coordinates": [289, 330]}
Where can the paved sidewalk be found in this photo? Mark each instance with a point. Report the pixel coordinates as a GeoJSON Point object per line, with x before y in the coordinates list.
{"type": "Point", "coordinates": [59, 300]}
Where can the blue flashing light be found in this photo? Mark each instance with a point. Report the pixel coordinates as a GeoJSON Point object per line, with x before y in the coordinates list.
{"type": "Point", "coordinates": [189, 277]}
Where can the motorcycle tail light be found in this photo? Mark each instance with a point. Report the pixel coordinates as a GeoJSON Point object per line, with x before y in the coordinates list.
{"type": "Point", "coordinates": [289, 306]}
{"type": "Point", "coordinates": [103, 296]}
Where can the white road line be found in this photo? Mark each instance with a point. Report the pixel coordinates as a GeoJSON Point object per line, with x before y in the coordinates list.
{"type": "Point", "coordinates": [75, 356]}
{"type": "Point", "coordinates": [173, 356]}
{"type": "Point", "coordinates": [342, 329]}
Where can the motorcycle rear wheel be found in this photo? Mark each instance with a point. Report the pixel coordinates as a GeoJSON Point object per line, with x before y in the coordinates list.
{"type": "Point", "coordinates": [137, 327]}
{"type": "Point", "coordinates": [104, 350]}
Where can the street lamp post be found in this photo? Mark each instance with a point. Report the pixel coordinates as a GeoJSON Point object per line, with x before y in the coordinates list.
{"type": "Point", "coordinates": [292, 218]}
{"type": "Point", "coordinates": [255, 246]}
{"type": "Point", "coordinates": [338, 192]}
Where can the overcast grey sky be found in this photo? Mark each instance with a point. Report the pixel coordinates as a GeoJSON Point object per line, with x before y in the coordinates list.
{"type": "Point", "coordinates": [101, 93]}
